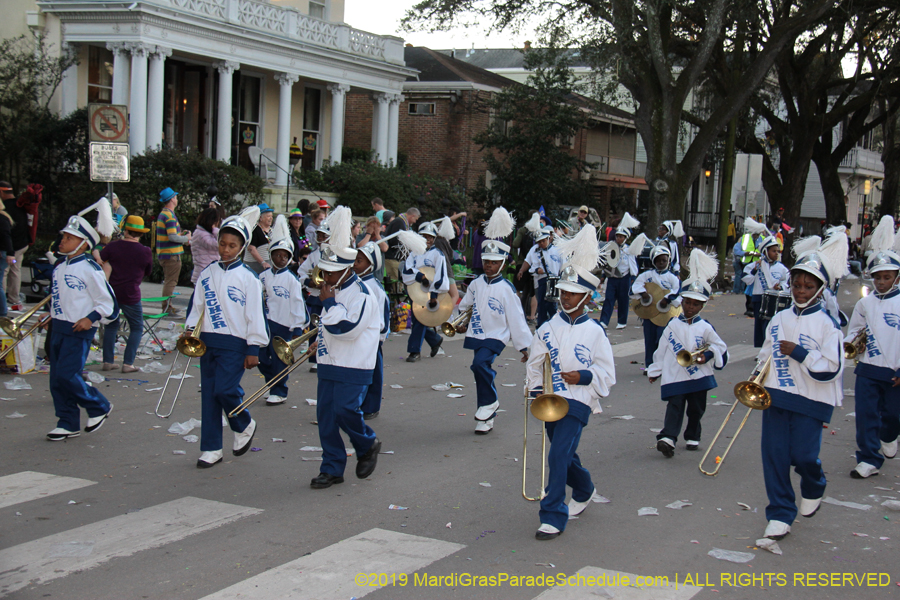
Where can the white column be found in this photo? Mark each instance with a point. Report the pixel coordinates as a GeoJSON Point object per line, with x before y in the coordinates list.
{"type": "Point", "coordinates": [120, 72]}
{"type": "Point", "coordinates": [156, 93]}
{"type": "Point", "coordinates": [283, 148]}
{"type": "Point", "coordinates": [223, 125]}
{"type": "Point", "coordinates": [393, 128]}
{"type": "Point", "coordinates": [69, 85]}
{"type": "Point", "coordinates": [338, 95]}
{"type": "Point", "coordinates": [137, 108]}
{"type": "Point", "coordinates": [375, 108]}
{"type": "Point", "coordinates": [381, 115]}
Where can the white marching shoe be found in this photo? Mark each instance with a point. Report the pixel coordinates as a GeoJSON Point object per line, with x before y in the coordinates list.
{"type": "Point", "coordinates": [576, 507]}
{"type": "Point", "coordinates": [483, 413]}
{"type": "Point", "coordinates": [889, 449]}
{"type": "Point", "coordinates": [274, 400]}
{"type": "Point", "coordinates": [809, 507]}
{"type": "Point", "coordinates": [95, 423]}
{"type": "Point", "coordinates": [209, 458]}
{"type": "Point", "coordinates": [863, 471]}
{"type": "Point", "coordinates": [59, 434]}
{"type": "Point", "coordinates": [546, 532]}
{"type": "Point", "coordinates": [243, 439]}
{"type": "Point", "coordinates": [621, 326]}
{"type": "Point", "coordinates": [776, 530]}
{"type": "Point", "coordinates": [484, 427]}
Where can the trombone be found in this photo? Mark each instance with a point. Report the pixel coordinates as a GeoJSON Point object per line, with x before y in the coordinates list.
{"type": "Point", "coordinates": [857, 346]}
{"type": "Point", "coordinates": [547, 407]}
{"type": "Point", "coordinates": [13, 327]}
{"type": "Point", "coordinates": [686, 358]}
{"type": "Point", "coordinates": [191, 346]}
{"type": "Point", "coordinates": [451, 328]}
{"type": "Point", "coordinates": [285, 351]}
{"type": "Point", "coordinates": [751, 394]}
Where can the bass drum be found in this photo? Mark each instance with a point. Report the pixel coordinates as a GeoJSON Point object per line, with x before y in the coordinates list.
{"type": "Point", "coordinates": [643, 260]}
{"type": "Point", "coordinates": [552, 293]}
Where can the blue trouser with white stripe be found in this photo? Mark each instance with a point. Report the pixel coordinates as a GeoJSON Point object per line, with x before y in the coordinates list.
{"type": "Point", "coordinates": [877, 418]}
{"type": "Point", "coordinates": [616, 293]}
{"type": "Point", "coordinates": [269, 363]}
{"type": "Point", "coordinates": [759, 324]}
{"type": "Point", "coordinates": [652, 335]}
{"type": "Point", "coordinates": [790, 439]}
{"type": "Point", "coordinates": [67, 356]}
{"type": "Point", "coordinates": [220, 390]}
{"type": "Point", "coordinates": [372, 401]}
{"type": "Point", "coordinates": [484, 376]}
{"type": "Point", "coordinates": [419, 333]}
{"type": "Point", "coordinates": [338, 408]}
{"type": "Point", "coordinates": [565, 466]}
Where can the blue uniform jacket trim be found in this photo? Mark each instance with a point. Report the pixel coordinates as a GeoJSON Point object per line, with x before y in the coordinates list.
{"type": "Point", "coordinates": [228, 342]}
{"type": "Point", "coordinates": [586, 377]}
{"type": "Point", "coordinates": [798, 404]}
{"type": "Point", "coordinates": [873, 372]}
{"type": "Point", "coordinates": [495, 346]}
{"type": "Point", "coordinates": [345, 374]}
{"type": "Point", "coordinates": [579, 410]}
{"type": "Point", "coordinates": [343, 326]}
{"type": "Point", "coordinates": [800, 353]}
{"type": "Point", "coordinates": [688, 387]}
{"type": "Point", "coordinates": [65, 328]}
{"type": "Point", "coordinates": [279, 330]}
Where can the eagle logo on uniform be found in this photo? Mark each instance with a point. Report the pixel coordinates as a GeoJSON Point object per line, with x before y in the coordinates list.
{"type": "Point", "coordinates": [889, 318]}
{"type": "Point", "coordinates": [427, 263]}
{"type": "Point", "coordinates": [808, 343]}
{"type": "Point", "coordinates": [75, 283]}
{"type": "Point", "coordinates": [236, 295]}
{"type": "Point", "coordinates": [583, 354]}
{"type": "Point", "coordinates": [495, 305]}
{"type": "Point", "coordinates": [281, 292]}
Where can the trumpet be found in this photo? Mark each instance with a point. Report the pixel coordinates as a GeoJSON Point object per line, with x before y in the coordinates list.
{"type": "Point", "coordinates": [547, 407]}
{"type": "Point", "coordinates": [451, 328]}
{"type": "Point", "coordinates": [192, 347]}
{"type": "Point", "coordinates": [751, 394]}
{"type": "Point", "coordinates": [13, 327]}
{"type": "Point", "coordinates": [316, 277]}
{"type": "Point", "coordinates": [857, 346]}
{"type": "Point", "coordinates": [285, 351]}
{"type": "Point", "coordinates": [686, 358]}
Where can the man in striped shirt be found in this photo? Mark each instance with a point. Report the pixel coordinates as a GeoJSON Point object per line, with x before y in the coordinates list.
{"type": "Point", "coordinates": [170, 242]}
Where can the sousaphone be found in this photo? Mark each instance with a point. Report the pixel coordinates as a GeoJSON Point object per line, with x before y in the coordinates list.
{"type": "Point", "coordinates": [651, 311]}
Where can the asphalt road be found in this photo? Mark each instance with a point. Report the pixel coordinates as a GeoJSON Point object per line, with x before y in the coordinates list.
{"type": "Point", "coordinates": [117, 515]}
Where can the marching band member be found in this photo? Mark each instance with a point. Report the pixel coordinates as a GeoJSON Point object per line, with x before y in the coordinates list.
{"type": "Point", "coordinates": [368, 262]}
{"type": "Point", "coordinates": [228, 297]}
{"type": "Point", "coordinates": [497, 316]}
{"type": "Point", "coordinates": [669, 233]}
{"type": "Point", "coordinates": [767, 273]}
{"type": "Point", "coordinates": [304, 274]}
{"type": "Point", "coordinates": [432, 257]}
{"type": "Point", "coordinates": [804, 383]}
{"type": "Point", "coordinates": [581, 359]}
{"type": "Point", "coordinates": [878, 370]}
{"type": "Point", "coordinates": [662, 276]}
{"type": "Point", "coordinates": [285, 308]}
{"type": "Point", "coordinates": [686, 386]}
{"type": "Point", "coordinates": [81, 297]}
{"type": "Point", "coordinates": [618, 281]}
{"type": "Point", "coordinates": [542, 260]}
{"type": "Point", "coordinates": [348, 348]}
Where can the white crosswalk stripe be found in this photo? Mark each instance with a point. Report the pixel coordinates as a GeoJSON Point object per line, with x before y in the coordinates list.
{"type": "Point", "coordinates": [58, 555]}
{"type": "Point", "coordinates": [331, 573]}
{"type": "Point", "coordinates": [31, 485]}
{"type": "Point", "coordinates": [591, 582]}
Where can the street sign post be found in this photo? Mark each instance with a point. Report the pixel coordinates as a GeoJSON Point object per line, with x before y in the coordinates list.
{"type": "Point", "coordinates": [110, 162]}
{"type": "Point", "coordinates": [108, 123]}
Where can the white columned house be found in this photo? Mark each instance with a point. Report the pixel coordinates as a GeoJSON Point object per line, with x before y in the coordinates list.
{"type": "Point", "coordinates": [226, 71]}
{"type": "Point", "coordinates": [121, 72]}
{"type": "Point", "coordinates": [286, 82]}
{"type": "Point", "coordinates": [338, 98]}
{"type": "Point", "coordinates": [156, 92]}
{"type": "Point", "coordinates": [382, 103]}
{"type": "Point", "coordinates": [138, 108]}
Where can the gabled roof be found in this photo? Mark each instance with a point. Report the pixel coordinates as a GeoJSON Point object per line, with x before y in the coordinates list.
{"type": "Point", "coordinates": [435, 66]}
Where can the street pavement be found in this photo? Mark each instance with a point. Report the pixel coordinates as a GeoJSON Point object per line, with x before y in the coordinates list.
{"type": "Point", "coordinates": [117, 514]}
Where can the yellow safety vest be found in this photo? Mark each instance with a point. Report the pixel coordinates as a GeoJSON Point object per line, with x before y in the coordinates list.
{"type": "Point", "coordinates": [748, 245]}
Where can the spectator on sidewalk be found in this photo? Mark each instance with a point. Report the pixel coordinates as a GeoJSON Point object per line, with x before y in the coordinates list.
{"type": "Point", "coordinates": [7, 256]}
{"type": "Point", "coordinates": [170, 242]}
{"type": "Point", "coordinates": [257, 254]}
{"type": "Point", "coordinates": [204, 241]}
{"type": "Point", "coordinates": [21, 240]}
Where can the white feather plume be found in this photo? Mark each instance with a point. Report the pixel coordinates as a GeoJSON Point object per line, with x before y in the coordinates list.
{"type": "Point", "coordinates": [883, 236]}
{"type": "Point", "coordinates": [445, 229]}
{"type": "Point", "coordinates": [752, 226]}
{"type": "Point", "coordinates": [804, 245]}
{"type": "Point", "coordinates": [628, 221]}
{"type": "Point", "coordinates": [411, 243]}
{"type": "Point", "coordinates": [702, 266]}
{"type": "Point", "coordinates": [896, 246]}
{"type": "Point", "coordinates": [581, 250]}
{"type": "Point", "coordinates": [500, 225]}
{"type": "Point", "coordinates": [834, 251]}
{"type": "Point", "coordinates": [340, 221]}
{"type": "Point", "coordinates": [105, 223]}
{"type": "Point", "coordinates": [250, 215]}
{"type": "Point", "coordinates": [533, 225]}
{"type": "Point", "coordinates": [280, 230]}
{"type": "Point", "coordinates": [637, 246]}
{"type": "Point", "coordinates": [677, 229]}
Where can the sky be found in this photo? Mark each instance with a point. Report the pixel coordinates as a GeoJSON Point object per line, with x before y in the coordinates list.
{"type": "Point", "coordinates": [383, 18]}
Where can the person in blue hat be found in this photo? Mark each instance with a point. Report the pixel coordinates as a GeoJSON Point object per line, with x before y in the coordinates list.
{"type": "Point", "coordinates": [170, 243]}
{"type": "Point", "coordinates": [257, 255]}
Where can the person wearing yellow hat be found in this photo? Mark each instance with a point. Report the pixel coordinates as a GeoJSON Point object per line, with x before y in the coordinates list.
{"type": "Point", "coordinates": [126, 262]}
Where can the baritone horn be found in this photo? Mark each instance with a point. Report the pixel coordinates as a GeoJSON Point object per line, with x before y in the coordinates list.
{"type": "Point", "coordinates": [751, 394]}
{"type": "Point", "coordinates": [13, 327]}
{"type": "Point", "coordinates": [547, 407]}
{"type": "Point", "coordinates": [686, 358]}
{"type": "Point", "coordinates": [451, 328]}
{"type": "Point", "coordinates": [857, 346]}
{"type": "Point", "coordinates": [192, 347]}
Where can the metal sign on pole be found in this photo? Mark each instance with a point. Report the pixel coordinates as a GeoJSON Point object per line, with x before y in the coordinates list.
{"type": "Point", "coordinates": [110, 162]}
{"type": "Point", "coordinates": [108, 123]}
